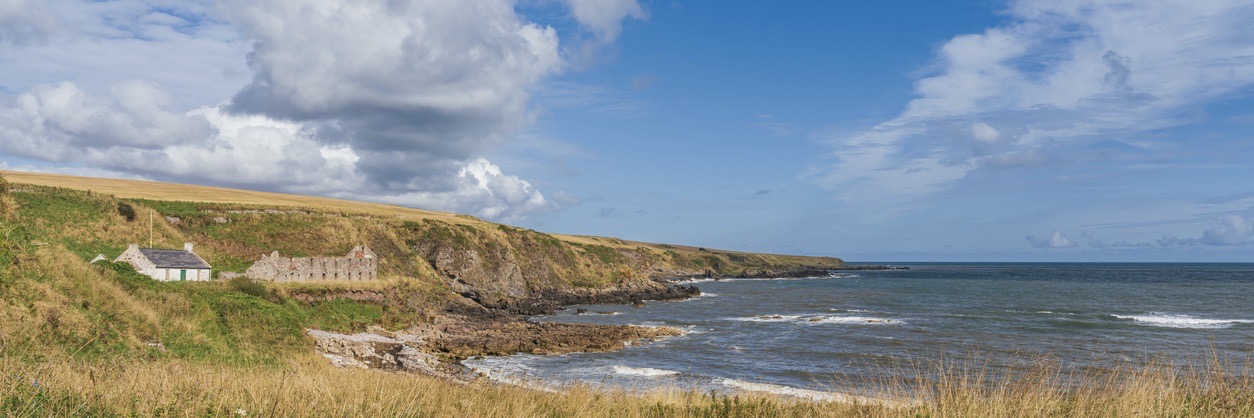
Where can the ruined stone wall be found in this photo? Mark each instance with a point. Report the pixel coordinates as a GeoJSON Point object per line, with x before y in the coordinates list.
{"type": "Point", "coordinates": [359, 264]}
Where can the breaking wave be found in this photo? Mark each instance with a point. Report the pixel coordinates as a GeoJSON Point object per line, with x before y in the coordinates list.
{"type": "Point", "coordinates": [818, 319]}
{"type": "Point", "coordinates": [643, 371]}
{"type": "Point", "coordinates": [1182, 321]}
{"type": "Point", "coordinates": [787, 391]}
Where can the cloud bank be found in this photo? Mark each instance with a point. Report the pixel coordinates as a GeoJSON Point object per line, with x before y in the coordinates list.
{"type": "Point", "coordinates": [1229, 230]}
{"type": "Point", "coordinates": [385, 101]}
{"type": "Point", "coordinates": [1226, 230]}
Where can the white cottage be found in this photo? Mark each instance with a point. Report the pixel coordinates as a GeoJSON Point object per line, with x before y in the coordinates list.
{"type": "Point", "coordinates": [167, 265]}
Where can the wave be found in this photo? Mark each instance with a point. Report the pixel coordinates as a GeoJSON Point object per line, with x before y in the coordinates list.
{"type": "Point", "coordinates": [643, 371]}
{"type": "Point", "coordinates": [509, 371]}
{"type": "Point", "coordinates": [792, 391]}
{"type": "Point", "coordinates": [701, 295]}
{"type": "Point", "coordinates": [782, 279]}
{"type": "Point", "coordinates": [695, 281]}
{"type": "Point", "coordinates": [767, 318]}
{"type": "Point", "coordinates": [851, 320]}
{"type": "Point", "coordinates": [817, 319]}
{"type": "Point", "coordinates": [747, 279]}
{"type": "Point", "coordinates": [692, 329]}
{"type": "Point", "coordinates": [1183, 321]}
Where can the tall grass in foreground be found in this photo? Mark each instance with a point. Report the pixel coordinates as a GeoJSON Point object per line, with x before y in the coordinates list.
{"type": "Point", "coordinates": [305, 386]}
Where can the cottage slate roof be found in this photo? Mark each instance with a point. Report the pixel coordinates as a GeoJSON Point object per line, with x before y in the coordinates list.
{"type": "Point", "coordinates": [173, 259]}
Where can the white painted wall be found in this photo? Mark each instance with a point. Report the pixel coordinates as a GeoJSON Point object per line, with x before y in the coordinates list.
{"type": "Point", "coordinates": [172, 275]}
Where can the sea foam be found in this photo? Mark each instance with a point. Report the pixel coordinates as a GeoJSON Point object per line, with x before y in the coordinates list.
{"type": "Point", "coordinates": [1182, 321]}
{"type": "Point", "coordinates": [817, 319]}
{"type": "Point", "coordinates": [508, 371]}
{"type": "Point", "coordinates": [643, 371]}
{"type": "Point", "coordinates": [767, 318]}
{"type": "Point", "coordinates": [791, 391]}
{"type": "Point", "coordinates": [850, 320]}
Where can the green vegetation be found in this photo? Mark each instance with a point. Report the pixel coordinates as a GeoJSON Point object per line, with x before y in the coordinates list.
{"type": "Point", "coordinates": [441, 233]}
{"type": "Point", "coordinates": [52, 303]}
{"type": "Point", "coordinates": [121, 312]}
{"type": "Point", "coordinates": [168, 208]}
{"type": "Point", "coordinates": [52, 297]}
{"type": "Point", "coordinates": [50, 232]}
{"type": "Point", "coordinates": [127, 211]}
{"type": "Point", "coordinates": [605, 254]}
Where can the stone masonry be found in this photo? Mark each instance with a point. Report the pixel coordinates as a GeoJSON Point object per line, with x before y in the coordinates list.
{"type": "Point", "coordinates": [359, 264]}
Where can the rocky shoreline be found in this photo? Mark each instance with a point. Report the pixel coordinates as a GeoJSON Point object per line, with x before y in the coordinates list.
{"type": "Point", "coordinates": [550, 301]}
{"type": "Point", "coordinates": [474, 328]}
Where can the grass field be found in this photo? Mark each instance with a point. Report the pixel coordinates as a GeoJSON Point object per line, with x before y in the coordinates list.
{"type": "Point", "coordinates": [151, 190]}
{"type": "Point", "coordinates": [305, 386]}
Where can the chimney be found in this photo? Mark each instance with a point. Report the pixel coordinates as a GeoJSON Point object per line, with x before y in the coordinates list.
{"type": "Point", "coordinates": [187, 246]}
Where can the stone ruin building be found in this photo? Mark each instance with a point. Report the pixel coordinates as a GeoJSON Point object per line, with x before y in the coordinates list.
{"type": "Point", "coordinates": [359, 264]}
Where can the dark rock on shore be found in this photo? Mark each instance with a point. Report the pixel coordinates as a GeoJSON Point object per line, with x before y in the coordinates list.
{"type": "Point", "coordinates": [774, 273]}
{"type": "Point", "coordinates": [549, 301]}
{"type": "Point", "coordinates": [460, 338]}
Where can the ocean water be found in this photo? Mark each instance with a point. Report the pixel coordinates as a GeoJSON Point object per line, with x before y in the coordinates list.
{"type": "Point", "coordinates": [848, 331]}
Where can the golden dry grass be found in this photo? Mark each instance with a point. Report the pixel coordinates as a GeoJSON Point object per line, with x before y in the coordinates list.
{"type": "Point", "coordinates": [306, 386]}
{"type": "Point", "coordinates": [139, 189]}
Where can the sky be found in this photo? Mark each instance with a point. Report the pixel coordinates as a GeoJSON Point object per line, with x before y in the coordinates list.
{"type": "Point", "coordinates": [949, 130]}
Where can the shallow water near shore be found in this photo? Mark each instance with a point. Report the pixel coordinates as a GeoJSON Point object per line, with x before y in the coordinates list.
{"type": "Point", "coordinates": [852, 330]}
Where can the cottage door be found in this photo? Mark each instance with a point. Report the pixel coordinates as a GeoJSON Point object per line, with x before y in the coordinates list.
{"type": "Point", "coordinates": [182, 275]}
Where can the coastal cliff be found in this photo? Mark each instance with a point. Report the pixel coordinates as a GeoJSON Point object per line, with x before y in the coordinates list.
{"type": "Point", "coordinates": [436, 272]}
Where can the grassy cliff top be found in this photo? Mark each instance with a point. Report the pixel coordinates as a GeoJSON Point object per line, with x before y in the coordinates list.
{"type": "Point", "coordinates": [152, 190]}
{"type": "Point", "coordinates": [173, 192]}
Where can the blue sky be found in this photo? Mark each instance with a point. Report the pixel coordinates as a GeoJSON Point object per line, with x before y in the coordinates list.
{"type": "Point", "coordinates": [949, 130]}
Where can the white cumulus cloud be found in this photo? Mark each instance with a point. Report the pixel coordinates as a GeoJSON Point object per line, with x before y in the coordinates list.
{"type": "Point", "coordinates": [605, 17]}
{"type": "Point", "coordinates": [63, 123]}
{"type": "Point", "coordinates": [1055, 240]}
{"type": "Point", "coordinates": [1056, 74]}
{"type": "Point", "coordinates": [377, 100]}
{"type": "Point", "coordinates": [480, 184]}
{"type": "Point", "coordinates": [984, 133]}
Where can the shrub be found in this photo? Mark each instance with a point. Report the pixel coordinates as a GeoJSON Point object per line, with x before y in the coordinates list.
{"type": "Point", "coordinates": [248, 286]}
{"type": "Point", "coordinates": [127, 211]}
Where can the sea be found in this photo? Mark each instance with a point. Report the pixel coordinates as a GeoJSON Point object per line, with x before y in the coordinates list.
{"type": "Point", "coordinates": [850, 332]}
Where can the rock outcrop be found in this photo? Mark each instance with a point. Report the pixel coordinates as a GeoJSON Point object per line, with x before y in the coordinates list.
{"type": "Point", "coordinates": [398, 352]}
{"type": "Point", "coordinates": [463, 337]}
